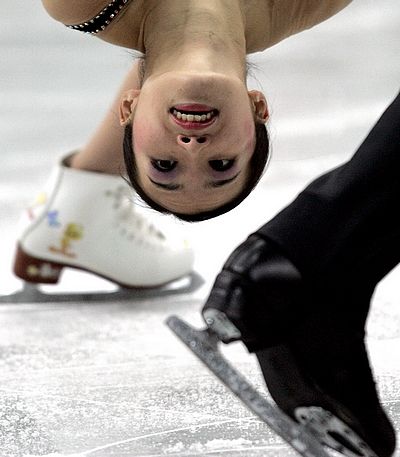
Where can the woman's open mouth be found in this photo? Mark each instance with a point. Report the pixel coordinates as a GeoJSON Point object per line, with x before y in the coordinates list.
{"type": "Point", "coordinates": [194, 118]}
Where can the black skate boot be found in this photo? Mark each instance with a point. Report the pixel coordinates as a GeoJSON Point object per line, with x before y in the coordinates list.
{"type": "Point", "coordinates": [321, 377]}
{"type": "Point", "coordinates": [230, 319]}
{"type": "Point", "coordinates": [237, 307]}
{"type": "Point", "coordinates": [310, 349]}
{"type": "Point", "coordinates": [315, 365]}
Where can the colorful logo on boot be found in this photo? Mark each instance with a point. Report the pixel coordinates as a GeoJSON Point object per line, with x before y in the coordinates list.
{"type": "Point", "coordinates": [73, 232]}
{"type": "Point", "coordinates": [52, 218]}
{"type": "Point", "coordinates": [40, 200]}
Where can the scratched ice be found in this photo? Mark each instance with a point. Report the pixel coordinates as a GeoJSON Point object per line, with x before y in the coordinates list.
{"type": "Point", "coordinates": [108, 379]}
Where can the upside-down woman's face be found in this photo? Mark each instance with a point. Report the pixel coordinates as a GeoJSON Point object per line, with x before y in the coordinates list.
{"type": "Point", "coordinates": [193, 138]}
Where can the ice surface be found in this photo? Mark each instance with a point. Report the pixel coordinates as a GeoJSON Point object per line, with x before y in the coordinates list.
{"type": "Point", "coordinates": [108, 378]}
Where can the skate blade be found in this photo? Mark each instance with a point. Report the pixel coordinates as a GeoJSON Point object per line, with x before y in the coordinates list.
{"type": "Point", "coordinates": [204, 344]}
{"type": "Point", "coordinates": [333, 432]}
{"type": "Point", "coordinates": [32, 293]}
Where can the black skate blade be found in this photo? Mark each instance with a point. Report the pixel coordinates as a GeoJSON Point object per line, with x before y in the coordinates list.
{"type": "Point", "coordinates": [204, 344]}
{"type": "Point", "coordinates": [32, 293]}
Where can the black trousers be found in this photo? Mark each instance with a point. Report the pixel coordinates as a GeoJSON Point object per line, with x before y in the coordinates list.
{"type": "Point", "coordinates": [345, 224]}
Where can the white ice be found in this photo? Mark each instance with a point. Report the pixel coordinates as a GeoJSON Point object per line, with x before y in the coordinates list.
{"type": "Point", "coordinates": [109, 379]}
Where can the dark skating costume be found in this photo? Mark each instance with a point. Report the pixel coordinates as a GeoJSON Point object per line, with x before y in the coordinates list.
{"type": "Point", "coordinates": [299, 288]}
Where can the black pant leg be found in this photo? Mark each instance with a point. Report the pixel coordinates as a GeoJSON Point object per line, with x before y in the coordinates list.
{"type": "Point", "coordinates": [347, 220]}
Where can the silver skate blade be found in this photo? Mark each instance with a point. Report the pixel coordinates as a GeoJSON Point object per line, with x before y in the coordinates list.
{"type": "Point", "coordinates": [204, 344]}
{"type": "Point", "coordinates": [31, 293]}
{"type": "Point", "coordinates": [333, 432]}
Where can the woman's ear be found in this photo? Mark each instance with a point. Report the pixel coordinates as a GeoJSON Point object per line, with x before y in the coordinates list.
{"type": "Point", "coordinates": [260, 106]}
{"type": "Point", "coordinates": [127, 106]}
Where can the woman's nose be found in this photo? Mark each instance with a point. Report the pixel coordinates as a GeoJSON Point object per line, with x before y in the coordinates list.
{"type": "Point", "coordinates": [192, 143]}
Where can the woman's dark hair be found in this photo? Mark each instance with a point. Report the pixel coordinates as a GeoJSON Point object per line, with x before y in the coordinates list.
{"type": "Point", "coordinates": [258, 163]}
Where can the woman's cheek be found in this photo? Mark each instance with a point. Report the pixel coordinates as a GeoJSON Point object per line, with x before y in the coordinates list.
{"type": "Point", "coordinates": [249, 134]}
{"type": "Point", "coordinates": [142, 135]}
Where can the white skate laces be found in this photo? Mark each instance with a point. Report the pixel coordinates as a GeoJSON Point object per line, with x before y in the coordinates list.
{"type": "Point", "coordinates": [131, 223]}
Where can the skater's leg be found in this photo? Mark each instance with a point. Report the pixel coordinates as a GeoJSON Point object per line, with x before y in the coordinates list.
{"type": "Point", "coordinates": [348, 215]}
{"type": "Point", "coordinates": [103, 151]}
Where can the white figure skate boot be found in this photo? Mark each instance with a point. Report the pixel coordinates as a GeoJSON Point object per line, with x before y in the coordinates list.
{"type": "Point", "coordinates": [87, 220]}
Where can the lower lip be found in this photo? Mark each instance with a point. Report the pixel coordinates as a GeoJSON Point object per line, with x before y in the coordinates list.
{"type": "Point", "coordinates": [193, 107]}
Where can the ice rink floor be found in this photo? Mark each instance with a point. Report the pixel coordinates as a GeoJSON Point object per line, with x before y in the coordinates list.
{"type": "Point", "coordinates": [105, 377]}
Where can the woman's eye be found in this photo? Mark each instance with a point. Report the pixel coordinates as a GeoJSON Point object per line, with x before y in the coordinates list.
{"type": "Point", "coordinates": [164, 165]}
{"type": "Point", "coordinates": [221, 165]}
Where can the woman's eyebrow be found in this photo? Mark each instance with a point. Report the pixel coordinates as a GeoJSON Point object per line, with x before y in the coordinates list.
{"type": "Point", "coordinates": [211, 184]}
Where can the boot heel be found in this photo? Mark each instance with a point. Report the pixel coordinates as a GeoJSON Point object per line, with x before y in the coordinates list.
{"type": "Point", "coordinates": [35, 270]}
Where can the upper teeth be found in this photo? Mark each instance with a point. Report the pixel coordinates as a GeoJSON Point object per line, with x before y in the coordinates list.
{"type": "Point", "coordinates": [193, 117]}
